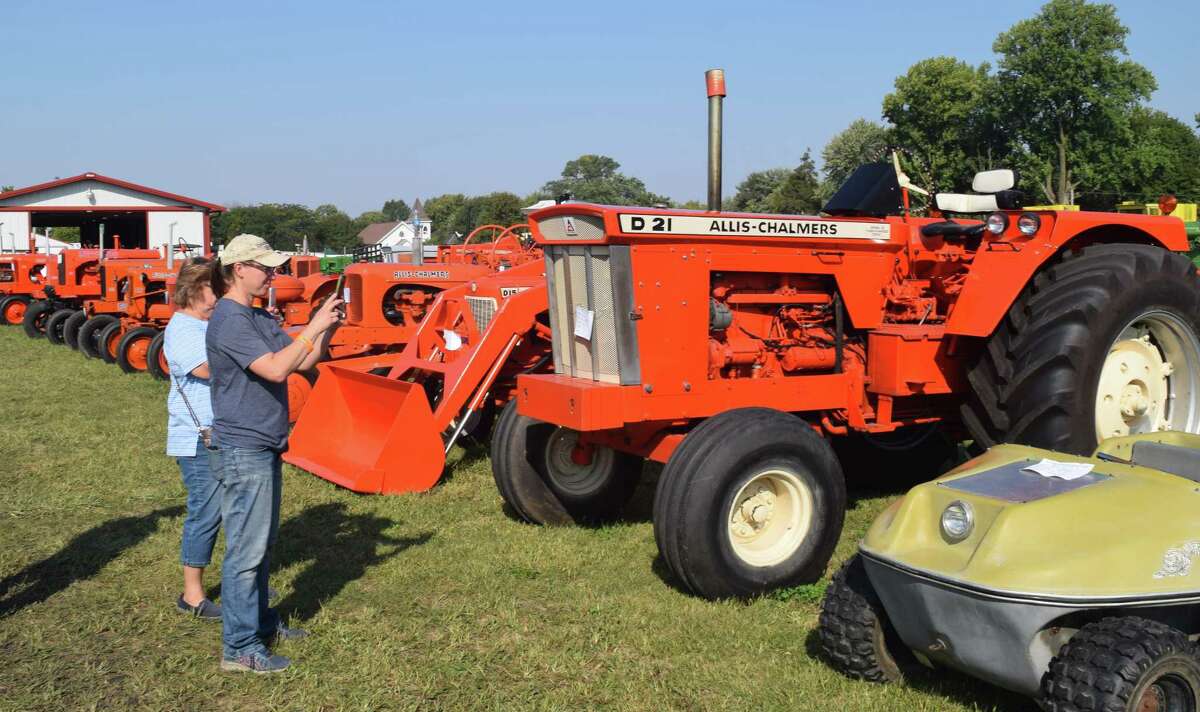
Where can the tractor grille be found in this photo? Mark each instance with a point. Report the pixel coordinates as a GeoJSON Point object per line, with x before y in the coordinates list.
{"type": "Point", "coordinates": [484, 310]}
{"type": "Point", "coordinates": [572, 227]}
{"type": "Point", "coordinates": [597, 278]}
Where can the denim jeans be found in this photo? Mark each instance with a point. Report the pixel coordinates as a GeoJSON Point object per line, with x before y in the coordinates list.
{"type": "Point", "coordinates": [251, 482]}
{"type": "Point", "coordinates": [203, 509]}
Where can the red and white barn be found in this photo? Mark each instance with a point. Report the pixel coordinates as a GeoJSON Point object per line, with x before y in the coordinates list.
{"type": "Point", "coordinates": [132, 215]}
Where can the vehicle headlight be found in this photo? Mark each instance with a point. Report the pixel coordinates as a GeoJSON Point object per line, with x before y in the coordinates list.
{"type": "Point", "coordinates": [1029, 223]}
{"type": "Point", "coordinates": [997, 223]}
{"type": "Point", "coordinates": [958, 519]}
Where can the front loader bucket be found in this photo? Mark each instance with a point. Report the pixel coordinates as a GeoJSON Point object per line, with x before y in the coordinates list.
{"type": "Point", "coordinates": [368, 433]}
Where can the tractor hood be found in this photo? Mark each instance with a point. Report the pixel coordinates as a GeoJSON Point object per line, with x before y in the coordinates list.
{"type": "Point", "coordinates": [1121, 532]}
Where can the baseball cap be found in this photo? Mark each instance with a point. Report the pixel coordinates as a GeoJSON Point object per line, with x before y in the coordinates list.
{"type": "Point", "coordinates": [251, 248]}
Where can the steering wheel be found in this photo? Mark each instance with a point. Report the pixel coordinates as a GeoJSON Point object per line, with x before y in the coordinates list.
{"type": "Point", "coordinates": [510, 235]}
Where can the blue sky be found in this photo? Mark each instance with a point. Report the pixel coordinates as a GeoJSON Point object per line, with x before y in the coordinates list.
{"type": "Point", "coordinates": [357, 101]}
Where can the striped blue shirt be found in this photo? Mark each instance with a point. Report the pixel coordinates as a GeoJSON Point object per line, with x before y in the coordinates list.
{"type": "Point", "coordinates": [185, 350]}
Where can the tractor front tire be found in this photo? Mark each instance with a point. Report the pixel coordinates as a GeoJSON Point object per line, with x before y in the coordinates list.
{"type": "Point", "coordinates": [752, 500]}
{"type": "Point", "coordinates": [542, 476]}
{"type": "Point", "coordinates": [856, 635]}
{"type": "Point", "coordinates": [106, 343]}
{"type": "Point", "coordinates": [1126, 664]}
{"type": "Point", "coordinates": [156, 360]}
{"type": "Point", "coordinates": [12, 309]}
{"type": "Point", "coordinates": [133, 350]}
{"type": "Point", "coordinates": [34, 321]}
{"type": "Point", "coordinates": [55, 325]}
{"type": "Point", "coordinates": [89, 334]}
{"type": "Point", "coordinates": [1103, 342]}
{"type": "Point", "coordinates": [70, 330]}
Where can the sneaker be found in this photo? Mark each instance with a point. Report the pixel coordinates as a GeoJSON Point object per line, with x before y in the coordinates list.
{"type": "Point", "coordinates": [257, 662]}
{"type": "Point", "coordinates": [285, 633]}
{"type": "Point", "coordinates": [205, 610]}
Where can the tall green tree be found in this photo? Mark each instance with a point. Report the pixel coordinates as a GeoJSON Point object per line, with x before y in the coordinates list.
{"type": "Point", "coordinates": [753, 195]}
{"type": "Point", "coordinates": [1164, 157]}
{"type": "Point", "coordinates": [861, 142]}
{"type": "Point", "coordinates": [596, 179]}
{"type": "Point", "coordinates": [396, 210]}
{"type": "Point", "coordinates": [334, 230]}
{"type": "Point", "coordinates": [941, 112]}
{"type": "Point", "coordinates": [440, 211]}
{"type": "Point", "coordinates": [799, 192]}
{"type": "Point", "coordinates": [1067, 92]}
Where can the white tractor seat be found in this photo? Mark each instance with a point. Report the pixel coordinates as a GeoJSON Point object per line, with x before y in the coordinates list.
{"type": "Point", "coordinates": [963, 203]}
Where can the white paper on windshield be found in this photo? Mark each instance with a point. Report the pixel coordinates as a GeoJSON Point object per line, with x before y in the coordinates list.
{"type": "Point", "coordinates": [583, 322]}
{"type": "Point", "coordinates": [453, 340]}
{"type": "Point", "coordinates": [1061, 470]}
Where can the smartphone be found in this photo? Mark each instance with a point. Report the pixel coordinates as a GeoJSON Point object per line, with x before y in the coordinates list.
{"type": "Point", "coordinates": [340, 293]}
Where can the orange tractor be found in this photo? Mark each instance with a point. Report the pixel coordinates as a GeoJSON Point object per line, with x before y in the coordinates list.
{"type": "Point", "coordinates": [23, 278]}
{"type": "Point", "coordinates": [737, 348]}
{"type": "Point", "coordinates": [387, 301]}
{"type": "Point", "coordinates": [384, 423]}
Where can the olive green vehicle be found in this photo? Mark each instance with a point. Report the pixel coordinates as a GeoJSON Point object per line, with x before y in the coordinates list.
{"type": "Point", "coordinates": [1083, 592]}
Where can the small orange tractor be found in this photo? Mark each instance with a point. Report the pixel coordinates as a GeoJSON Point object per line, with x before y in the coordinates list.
{"type": "Point", "coordinates": [386, 301]}
{"type": "Point", "coordinates": [384, 423]}
{"type": "Point", "coordinates": [23, 278]}
{"type": "Point", "coordinates": [736, 348]}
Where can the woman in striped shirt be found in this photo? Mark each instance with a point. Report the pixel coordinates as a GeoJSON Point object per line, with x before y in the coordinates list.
{"type": "Point", "coordinates": [189, 412]}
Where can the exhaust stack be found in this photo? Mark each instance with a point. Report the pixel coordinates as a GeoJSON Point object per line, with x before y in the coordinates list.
{"type": "Point", "coordinates": [101, 255]}
{"type": "Point", "coordinates": [715, 80]}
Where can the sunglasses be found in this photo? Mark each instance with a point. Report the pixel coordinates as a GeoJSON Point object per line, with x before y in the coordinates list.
{"type": "Point", "coordinates": [265, 269]}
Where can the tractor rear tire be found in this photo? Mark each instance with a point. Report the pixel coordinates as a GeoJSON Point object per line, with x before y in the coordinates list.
{"type": "Point", "coordinates": [534, 469]}
{"type": "Point", "coordinates": [752, 500]}
{"type": "Point", "coordinates": [1103, 342]}
{"type": "Point", "coordinates": [55, 324]}
{"type": "Point", "coordinates": [106, 343]}
{"type": "Point", "coordinates": [89, 334]}
{"type": "Point", "coordinates": [70, 331]}
{"type": "Point", "coordinates": [133, 350]}
{"type": "Point", "coordinates": [34, 321]}
{"type": "Point", "coordinates": [12, 309]}
{"type": "Point", "coordinates": [1129, 664]}
{"type": "Point", "coordinates": [156, 360]}
{"type": "Point", "coordinates": [856, 635]}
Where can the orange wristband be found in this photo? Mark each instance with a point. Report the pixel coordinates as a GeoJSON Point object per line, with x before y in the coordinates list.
{"type": "Point", "coordinates": [308, 344]}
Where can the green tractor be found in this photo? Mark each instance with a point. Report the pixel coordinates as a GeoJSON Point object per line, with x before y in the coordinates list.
{"type": "Point", "coordinates": [1184, 211]}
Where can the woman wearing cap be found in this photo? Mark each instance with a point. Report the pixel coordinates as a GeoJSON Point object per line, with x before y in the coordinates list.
{"type": "Point", "coordinates": [188, 413]}
{"type": "Point", "coordinates": [249, 359]}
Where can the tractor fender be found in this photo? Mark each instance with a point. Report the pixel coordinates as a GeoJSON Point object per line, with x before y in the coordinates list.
{"type": "Point", "coordinates": [1002, 268]}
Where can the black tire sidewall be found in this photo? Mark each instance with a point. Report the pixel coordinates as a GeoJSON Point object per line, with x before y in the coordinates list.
{"type": "Point", "coordinates": [71, 328]}
{"type": "Point", "coordinates": [517, 479]}
{"type": "Point", "coordinates": [152, 354]}
{"type": "Point", "coordinates": [103, 338]}
{"type": "Point", "coordinates": [34, 323]}
{"type": "Point", "coordinates": [55, 324]}
{"type": "Point", "coordinates": [89, 334]}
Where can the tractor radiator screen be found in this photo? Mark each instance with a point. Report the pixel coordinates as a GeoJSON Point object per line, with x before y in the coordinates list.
{"type": "Point", "coordinates": [483, 309]}
{"type": "Point", "coordinates": [593, 283]}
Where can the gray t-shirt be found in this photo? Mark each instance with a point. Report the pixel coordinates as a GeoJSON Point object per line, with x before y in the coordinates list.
{"type": "Point", "coordinates": [248, 411]}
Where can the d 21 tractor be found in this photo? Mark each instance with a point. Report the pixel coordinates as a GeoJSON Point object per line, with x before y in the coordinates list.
{"type": "Point", "coordinates": [384, 423]}
{"type": "Point", "coordinates": [734, 347]}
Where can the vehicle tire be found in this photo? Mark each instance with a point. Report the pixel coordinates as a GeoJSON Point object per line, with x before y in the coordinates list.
{"type": "Point", "coordinates": [538, 475]}
{"type": "Point", "coordinates": [107, 341]}
{"type": "Point", "coordinates": [156, 360]}
{"type": "Point", "coordinates": [89, 334]}
{"type": "Point", "coordinates": [902, 458]}
{"type": "Point", "coordinates": [12, 309]}
{"type": "Point", "coordinates": [70, 332]}
{"type": "Point", "coordinates": [1103, 342]}
{"type": "Point", "coordinates": [55, 324]}
{"type": "Point", "coordinates": [752, 500]}
{"type": "Point", "coordinates": [1127, 664]}
{"type": "Point", "coordinates": [133, 350]}
{"type": "Point", "coordinates": [34, 321]}
{"type": "Point", "coordinates": [856, 635]}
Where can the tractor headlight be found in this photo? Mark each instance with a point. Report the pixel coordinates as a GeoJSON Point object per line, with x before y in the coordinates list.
{"type": "Point", "coordinates": [997, 223]}
{"type": "Point", "coordinates": [958, 519]}
{"type": "Point", "coordinates": [1029, 223]}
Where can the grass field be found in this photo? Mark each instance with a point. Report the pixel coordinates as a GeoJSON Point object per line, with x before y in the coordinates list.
{"type": "Point", "coordinates": [432, 601]}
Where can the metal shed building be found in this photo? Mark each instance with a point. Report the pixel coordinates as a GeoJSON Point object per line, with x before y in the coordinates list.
{"type": "Point", "coordinates": [134, 215]}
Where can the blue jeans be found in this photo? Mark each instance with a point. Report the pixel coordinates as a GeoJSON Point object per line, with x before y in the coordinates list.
{"type": "Point", "coordinates": [251, 483]}
{"type": "Point", "coordinates": [203, 509]}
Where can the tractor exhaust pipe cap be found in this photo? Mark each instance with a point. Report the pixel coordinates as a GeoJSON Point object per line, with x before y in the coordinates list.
{"type": "Point", "coordinates": [715, 81]}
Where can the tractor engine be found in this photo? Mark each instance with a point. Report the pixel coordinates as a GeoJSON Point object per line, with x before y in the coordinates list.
{"type": "Point", "coordinates": [765, 325]}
